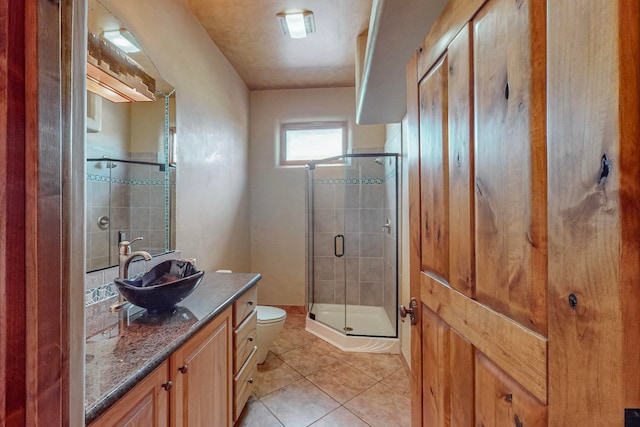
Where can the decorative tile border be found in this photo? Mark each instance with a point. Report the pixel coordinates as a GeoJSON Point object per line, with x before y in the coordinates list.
{"type": "Point", "coordinates": [99, 294]}
{"type": "Point", "coordinates": [349, 181]}
{"type": "Point", "coordinates": [126, 181]}
{"type": "Point", "coordinates": [103, 292]}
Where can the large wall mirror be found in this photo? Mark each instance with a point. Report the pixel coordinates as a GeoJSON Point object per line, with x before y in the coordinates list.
{"type": "Point", "coordinates": [130, 144]}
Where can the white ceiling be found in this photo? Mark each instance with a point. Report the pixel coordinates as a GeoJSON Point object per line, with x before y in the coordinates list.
{"type": "Point", "coordinates": [248, 34]}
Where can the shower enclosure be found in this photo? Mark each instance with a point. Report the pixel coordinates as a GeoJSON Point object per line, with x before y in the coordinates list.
{"type": "Point", "coordinates": [352, 245]}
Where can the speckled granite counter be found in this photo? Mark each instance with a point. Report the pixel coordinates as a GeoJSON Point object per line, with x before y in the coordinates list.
{"type": "Point", "coordinates": [114, 365]}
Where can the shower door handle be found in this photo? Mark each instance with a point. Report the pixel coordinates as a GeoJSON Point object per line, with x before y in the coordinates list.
{"type": "Point", "coordinates": [339, 237]}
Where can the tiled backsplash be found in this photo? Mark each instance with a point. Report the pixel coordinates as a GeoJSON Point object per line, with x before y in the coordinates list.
{"type": "Point", "coordinates": [101, 292]}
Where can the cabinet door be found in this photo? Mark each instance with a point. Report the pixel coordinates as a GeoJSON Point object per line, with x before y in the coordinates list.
{"type": "Point", "coordinates": [202, 370]}
{"type": "Point", "coordinates": [147, 404]}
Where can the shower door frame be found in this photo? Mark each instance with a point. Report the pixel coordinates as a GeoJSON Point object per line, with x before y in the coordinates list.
{"type": "Point", "coordinates": [343, 161]}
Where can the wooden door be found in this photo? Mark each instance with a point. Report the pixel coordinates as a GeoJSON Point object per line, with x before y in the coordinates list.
{"type": "Point", "coordinates": [524, 136]}
{"type": "Point", "coordinates": [203, 378]}
{"type": "Point", "coordinates": [146, 405]}
{"type": "Point", "coordinates": [482, 223]}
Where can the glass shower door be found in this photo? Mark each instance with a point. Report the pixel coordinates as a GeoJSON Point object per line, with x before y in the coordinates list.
{"type": "Point", "coordinates": [326, 244]}
{"type": "Point", "coordinates": [352, 244]}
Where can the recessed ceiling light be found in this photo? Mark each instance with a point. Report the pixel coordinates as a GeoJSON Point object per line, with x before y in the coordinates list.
{"type": "Point", "coordinates": [296, 24]}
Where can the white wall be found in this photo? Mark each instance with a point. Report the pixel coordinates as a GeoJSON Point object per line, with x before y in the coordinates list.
{"type": "Point", "coordinates": [113, 138]}
{"type": "Point", "coordinates": [278, 194]}
{"type": "Point", "coordinates": [147, 127]}
{"type": "Point", "coordinates": [405, 291]}
{"type": "Point", "coordinates": [212, 128]}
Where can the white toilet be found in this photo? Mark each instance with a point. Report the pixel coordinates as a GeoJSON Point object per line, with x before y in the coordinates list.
{"type": "Point", "coordinates": [270, 323]}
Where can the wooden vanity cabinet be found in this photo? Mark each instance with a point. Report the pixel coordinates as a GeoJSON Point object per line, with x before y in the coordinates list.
{"type": "Point", "coordinates": [147, 404]}
{"type": "Point", "coordinates": [245, 366]}
{"type": "Point", "coordinates": [202, 372]}
{"type": "Point", "coordinates": [192, 388]}
{"type": "Point", "coordinates": [205, 382]}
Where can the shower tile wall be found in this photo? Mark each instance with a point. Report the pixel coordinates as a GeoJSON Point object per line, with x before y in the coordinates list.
{"type": "Point", "coordinates": [148, 203]}
{"type": "Point", "coordinates": [105, 183]}
{"type": "Point", "coordinates": [349, 201]}
{"type": "Point", "coordinates": [137, 207]}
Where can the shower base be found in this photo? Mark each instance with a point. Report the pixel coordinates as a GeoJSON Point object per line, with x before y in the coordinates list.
{"type": "Point", "coordinates": [363, 320]}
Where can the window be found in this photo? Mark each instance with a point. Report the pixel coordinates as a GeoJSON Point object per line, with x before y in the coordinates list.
{"type": "Point", "coordinates": [302, 142]}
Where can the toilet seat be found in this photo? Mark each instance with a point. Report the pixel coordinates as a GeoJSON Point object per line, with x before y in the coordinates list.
{"type": "Point", "coordinates": [268, 314]}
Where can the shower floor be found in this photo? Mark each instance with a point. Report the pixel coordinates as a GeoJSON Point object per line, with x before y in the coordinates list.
{"type": "Point", "coordinates": [371, 328]}
{"type": "Point", "coordinates": [363, 320]}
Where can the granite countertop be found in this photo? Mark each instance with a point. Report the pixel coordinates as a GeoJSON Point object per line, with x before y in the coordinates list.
{"type": "Point", "coordinates": [115, 364]}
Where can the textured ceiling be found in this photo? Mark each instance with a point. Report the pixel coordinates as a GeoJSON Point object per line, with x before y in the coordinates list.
{"type": "Point", "coordinates": [248, 34]}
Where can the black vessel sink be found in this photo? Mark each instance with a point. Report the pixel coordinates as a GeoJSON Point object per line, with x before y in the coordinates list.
{"type": "Point", "coordinates": [162, 287]}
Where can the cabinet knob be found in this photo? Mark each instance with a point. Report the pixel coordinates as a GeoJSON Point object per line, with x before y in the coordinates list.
{"type": "Point", "coordinates": [250, 302]}
{"type": "Point", "coordinates": [250, 380]}
{"type": "Point", "coordinates": [250, 338]}
{"type": "Point", "coordinates": [168, 385]}
{"type": "Point", "coordinates": [183, 369]}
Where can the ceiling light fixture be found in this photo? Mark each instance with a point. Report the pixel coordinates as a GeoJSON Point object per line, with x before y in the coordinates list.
{"type": "Point", "coordinates": [123, 40]}
{"type": "Point", "coordinates": [297, 24]}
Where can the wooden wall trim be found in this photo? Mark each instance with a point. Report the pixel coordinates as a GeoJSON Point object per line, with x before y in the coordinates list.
{"type": "Point", "coordinates": [629, 64]}
{"type": "Point", "coordinates": [12, 214]}
{"type": "Point", "coordinates": [454, 16]}
{"type": "Point", "coordinates": [520, 352]}
{"type": "Point", "coordinates": [46, 333]}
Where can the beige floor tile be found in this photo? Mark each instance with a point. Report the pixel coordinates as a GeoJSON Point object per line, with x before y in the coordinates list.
{"type": "Point", "coordinates": [321, 345]}
{"type": "Point", "coordinates": [341, 381]}
{"type": "Point", "coordinates": [309, 358]}
{"type": "Point", "coordinates": [381, 407]}
{"type": "Point", "coordinates": [400, 382]}
{"type": "Point", "coordinates": [273, 374]}
{"type": "Point", "coordinates": [378, 366]}
{"type": "Point", "coordinates": [299, 404]}
{"type": "Point", "coordinates": [339, 418]}
{"type": "Point", "coordinates": [257, 415]}
{"type": "Point", "coordinates": [295, 321]}
{"type": "Point", "coordinates": [291, 338]}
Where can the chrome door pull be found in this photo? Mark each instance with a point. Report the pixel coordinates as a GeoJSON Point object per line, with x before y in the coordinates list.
{"type": "Point", "coordinates": [335, 245]}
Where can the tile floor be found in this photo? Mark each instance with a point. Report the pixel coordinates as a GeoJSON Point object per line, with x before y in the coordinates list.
{"type": "Point", "coordinates": [307, 382]}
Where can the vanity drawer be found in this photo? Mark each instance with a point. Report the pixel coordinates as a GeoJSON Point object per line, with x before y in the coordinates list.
{"type": "Point", "coordinates": [244, 305]}
{"type": "Point", "coordinates": [244, 339]}
{"type": "Point", "coordinates": [243, 383]}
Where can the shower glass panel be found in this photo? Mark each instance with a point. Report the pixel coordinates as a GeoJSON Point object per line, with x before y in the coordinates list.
{"type": "Point", "coordinates": [352, 251]}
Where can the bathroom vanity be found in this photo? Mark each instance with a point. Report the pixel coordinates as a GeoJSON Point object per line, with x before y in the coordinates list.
{"type": "Point", "coordinates": [197, 363]}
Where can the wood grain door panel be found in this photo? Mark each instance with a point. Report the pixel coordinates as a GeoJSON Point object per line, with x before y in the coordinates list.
{"type": "Point", "coordinates": [434, 176]}
{"type": "Point", "coordinates": [510, 160]}
{"type": "Point", "coordinates": [501, 401]}
{"type": "Point", "coordinates": [461, 163]}
{"type": "Point", "coordinates": [435, 364]}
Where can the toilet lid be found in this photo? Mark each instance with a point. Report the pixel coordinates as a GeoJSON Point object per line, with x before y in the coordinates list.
{"type": "Point", "coordinates": [268, 314]}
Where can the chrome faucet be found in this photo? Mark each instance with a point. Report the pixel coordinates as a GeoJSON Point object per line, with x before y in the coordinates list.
{"type": "Point", "coordinates": [125, 256]}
